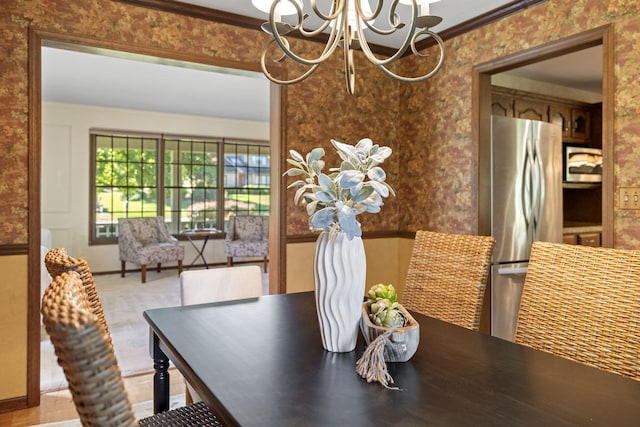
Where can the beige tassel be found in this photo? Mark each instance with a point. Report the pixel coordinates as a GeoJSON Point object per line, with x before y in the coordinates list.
{"type": "Point", "coordinates": [371, 366]}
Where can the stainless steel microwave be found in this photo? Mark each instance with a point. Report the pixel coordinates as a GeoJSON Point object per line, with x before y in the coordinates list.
{"type": "Point", "coordinates": [582, 164]}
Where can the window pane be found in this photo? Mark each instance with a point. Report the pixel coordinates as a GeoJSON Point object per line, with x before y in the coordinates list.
{"type": "Point", "coordinates": [191, 183]}
{"type": "Point", "coordinates": [129, 183]}
{"type": "Point", "coordinates": [246, 179]}
{"type": "Point", "coordinates": [125, 181]}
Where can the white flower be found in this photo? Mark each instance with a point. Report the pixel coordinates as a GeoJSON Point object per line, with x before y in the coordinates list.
{"type": "Point", "coordinates": [357, 186]}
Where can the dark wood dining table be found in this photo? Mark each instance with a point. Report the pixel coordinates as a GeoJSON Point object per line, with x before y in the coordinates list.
{"type": "Point", "coordinates": [260, 362]}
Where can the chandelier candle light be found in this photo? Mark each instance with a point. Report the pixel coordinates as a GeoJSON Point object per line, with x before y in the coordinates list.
{"type": "Point", "coordinates": [346, 22]}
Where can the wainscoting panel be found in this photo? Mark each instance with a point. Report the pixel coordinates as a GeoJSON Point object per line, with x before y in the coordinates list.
{"type": "Point", "coordinates": [56, 169]}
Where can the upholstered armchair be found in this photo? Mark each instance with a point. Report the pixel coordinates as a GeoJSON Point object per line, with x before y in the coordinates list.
{"type": "Point", "coordinates": [145, 241]}
{"type": "Point", "coordinates": [247, 236]}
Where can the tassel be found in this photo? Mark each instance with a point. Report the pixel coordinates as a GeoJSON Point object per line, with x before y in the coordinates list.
{"type": "Point", "coordinates": [371, 366]}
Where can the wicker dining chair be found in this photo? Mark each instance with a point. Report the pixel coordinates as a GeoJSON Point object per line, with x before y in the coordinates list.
{"type": "Point", "coordinates": [90, 366]}
{"type": "Point", "coordinates": [583, 303]}
{"type": "Point", "coordinates": [447, 276]}
{"type": "Point", "coordinates": [58, 261]}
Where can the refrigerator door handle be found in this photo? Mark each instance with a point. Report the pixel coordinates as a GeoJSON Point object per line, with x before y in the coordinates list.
{"type": "Point", "coordinates": [538, 187]}
{"type": "Point", "coordinates": [517, 271]}
{"type": "Point", "coordinates": [525, 192]}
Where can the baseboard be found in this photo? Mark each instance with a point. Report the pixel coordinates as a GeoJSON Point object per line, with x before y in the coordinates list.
{"type": "Point", "coordinates": [13, 404]}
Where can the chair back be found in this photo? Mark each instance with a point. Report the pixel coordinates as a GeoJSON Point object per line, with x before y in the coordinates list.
{"type": "Point", "coordinates": [447, 276]}
{"type": "Point", "coordinates": [583, 303]}
{"type": "Point", "coordinates": [143, 230]}
{"type": "Point", "coordinates": [57, 262]}
{"type": "Point", "coordinates": [85, 354]}
{"type": "Point", "coordinates": [220, 284]}
{"type": "Point", "coordinates": [248, 227]}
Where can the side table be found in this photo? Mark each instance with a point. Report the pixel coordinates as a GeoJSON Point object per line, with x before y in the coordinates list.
{"type": "Point", "coordinates": [203, 234]}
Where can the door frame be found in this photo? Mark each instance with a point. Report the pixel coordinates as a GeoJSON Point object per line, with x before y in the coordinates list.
{"type": "Point", "coordinates": [277, 252]}
{"type": "Point", "coordinates": [481, 126]}
{"type": "Point", "coordinates": [481, 116]}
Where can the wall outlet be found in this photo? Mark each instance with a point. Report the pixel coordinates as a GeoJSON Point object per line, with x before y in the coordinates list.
{"type": "Point", "coordinates": [629, 198]}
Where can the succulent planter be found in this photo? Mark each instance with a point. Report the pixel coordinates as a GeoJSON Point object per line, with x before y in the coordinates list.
{"type": "Point", "coordinates": [401, 345]}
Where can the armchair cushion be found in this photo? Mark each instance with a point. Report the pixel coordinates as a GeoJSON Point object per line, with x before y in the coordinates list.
{"type": "Point", "coordinates": [247, 236]}
{"type": "Point", "coordinates": [144, 241]}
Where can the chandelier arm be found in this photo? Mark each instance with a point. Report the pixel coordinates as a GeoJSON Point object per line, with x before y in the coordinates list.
{"type": "Point", "coordinates": [374, 14]}
{"type": "Point", "coordinates": [265, 71]}
{"type": "Point", "coordinates": [336, 9]}
{"type": "Point", "coordinates": [349, 65]}
{"type": "Point", "coordinates": [366, 50]}
{"type": "Point", "coordinates": [333, 14]}
{"type": "Point", "coordinates": [405, 44]}
{"type": "Point", "coordinates": [349, 36]}
{"type": "Point", "coordinates": [394, 24]}
{"type": "Point", "coordinates": [330, 47]}
{"type": "Point", "coordinates": [424, 77]}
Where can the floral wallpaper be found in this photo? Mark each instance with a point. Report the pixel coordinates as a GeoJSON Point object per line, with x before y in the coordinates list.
{"type": "Point", "coordinates": [436, 119]}
{"type": "Point", "coordinates": [428, 125]}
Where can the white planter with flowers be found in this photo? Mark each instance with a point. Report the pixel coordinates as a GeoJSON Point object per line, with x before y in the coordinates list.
{"type": "Point", "coordinates": [333, 201]}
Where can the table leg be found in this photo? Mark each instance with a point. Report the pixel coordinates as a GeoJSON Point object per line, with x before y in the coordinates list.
{"type": "Point", "coordinates": [204, 245]}
{"type": "Point", "coordinates": [200, 252]}
{"type": "Point", "coordinates": [161, 376]}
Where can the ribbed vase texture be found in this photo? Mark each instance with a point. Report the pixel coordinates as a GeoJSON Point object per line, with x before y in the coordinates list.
{"type": "Point", "coordinates": [340, 273]}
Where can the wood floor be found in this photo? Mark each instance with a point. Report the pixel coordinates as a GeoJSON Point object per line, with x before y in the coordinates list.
{"type": "Point", "coordinates": [58, 406]}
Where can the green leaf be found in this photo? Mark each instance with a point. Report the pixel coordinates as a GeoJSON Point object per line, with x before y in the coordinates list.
{"type": "Point", "coordinates": [325, 196]}
{"type": "Point", "coordinates": [379, 188]}
{"type": "Point", "coordinates": [296, 183]}
{"type": "Point", "coordinates": [296, 172]}
{"type": "Point", "coordinates": [364, 145]}
{"type": "Point", "coordinates": [296, 156]}
{"type": "Point", "coordinates": [316, 166]}
{"type": "Point", "coordinates": [315, 155]}
{"type": "Point", "coordinates": [295, 163]}
{"type": "Point", "coordinates": [376, 174]}
{"type": "Point", "coordinates": [361, 193]}
{"type": "Point", "coordinates": [327, 184]}
{"type": "Point", "coordinates": [299, 192]}
{"type": "Point", "coordinates": [350, 178]}
{"type": "Point", "coordinates": [348, 150]}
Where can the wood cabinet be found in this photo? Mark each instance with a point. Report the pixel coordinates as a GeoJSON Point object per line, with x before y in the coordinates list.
{"type": "Point", "coordinates": [580, 125]}
{"type": "Point", "coordinates": [574, 117]}
{"type": "Point", "coordinates": [502, 105]}
{"type": "Point", "coordinates": [531, 109]}
{"type": "Point", "coordinates": [589, 239]}
{"type": "Point", "coordinates": [561, 114]}
{"type": "Point", "coordinates": [584, 239]}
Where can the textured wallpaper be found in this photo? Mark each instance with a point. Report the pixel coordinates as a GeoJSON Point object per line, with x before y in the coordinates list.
{"type": "Point", "coordinates": [428, 125]}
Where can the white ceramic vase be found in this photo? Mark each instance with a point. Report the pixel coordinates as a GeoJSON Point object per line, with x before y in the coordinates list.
{"type": "Point", "coordinates": [339, 268]}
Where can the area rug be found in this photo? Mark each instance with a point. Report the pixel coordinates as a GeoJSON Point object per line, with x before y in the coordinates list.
{"type": "Point", "coordinates": [124, 300]}
{"type": "Point", "coordinates": [141, 410]}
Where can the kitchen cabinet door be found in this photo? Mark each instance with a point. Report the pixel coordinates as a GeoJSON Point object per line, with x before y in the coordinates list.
{"type": "Point", "coordinates": [560, 113]}
{"type": "Point", "coordinates": [580, 124]}
{"type": "Point", "coordinates": [589, 239]}
{"type": "Point", "coordinates": [531, 109]}
{"type": "Point", "coordinates": [501, 105]}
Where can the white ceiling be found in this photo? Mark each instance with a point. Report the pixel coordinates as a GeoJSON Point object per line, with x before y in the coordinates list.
{"type": "Point", "coordinates": [154, 84]}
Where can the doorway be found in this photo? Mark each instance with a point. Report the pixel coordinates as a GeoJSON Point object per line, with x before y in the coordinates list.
{"type": "Point", "coordinates": [482, 116]}
{"type": "Point", "coordinates": [37, 42]}
{"type": "Point", "coordinates": [482, 100]}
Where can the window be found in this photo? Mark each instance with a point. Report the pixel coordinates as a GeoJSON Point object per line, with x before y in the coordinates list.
{"type": "Point", "coordinates": [180, 178]}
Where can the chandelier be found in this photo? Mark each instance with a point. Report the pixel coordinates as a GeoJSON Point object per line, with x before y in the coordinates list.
{"type": "Point", "coordinates": [346, 22]}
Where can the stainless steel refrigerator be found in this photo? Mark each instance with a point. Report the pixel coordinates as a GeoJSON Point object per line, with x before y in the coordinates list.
{"type": "Point", "coordinates": [526, 197]}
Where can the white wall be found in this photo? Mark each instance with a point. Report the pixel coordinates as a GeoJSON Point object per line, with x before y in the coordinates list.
{"type": "Point", "coordinates": [65, 169]}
